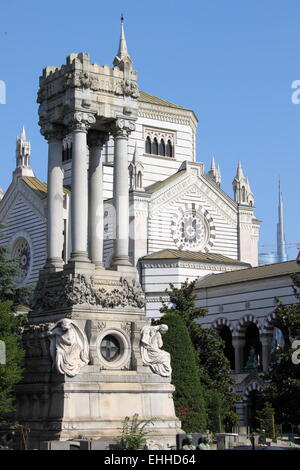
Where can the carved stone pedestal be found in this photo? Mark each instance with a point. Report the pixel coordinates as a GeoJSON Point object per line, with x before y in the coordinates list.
{"type": "Point", "coordinates": [84, 372]}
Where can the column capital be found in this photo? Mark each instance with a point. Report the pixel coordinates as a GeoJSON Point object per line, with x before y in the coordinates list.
{"type": "Point", "coordinates": [97, 138]}
{"type": "Point", "coordinates": [122, 128]}
{"type": "Point", "coordinates": [80, 121]}
{"type": "Point", "coordinates": [54, 132]}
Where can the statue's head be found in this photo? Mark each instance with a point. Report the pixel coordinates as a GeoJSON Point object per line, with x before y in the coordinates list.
{"type": "Point", "coordinates": [65, 324]}
{"type": "Point", "coordinates": [163, 328]}
{"type": "Point", "coordinates": [189, 438]}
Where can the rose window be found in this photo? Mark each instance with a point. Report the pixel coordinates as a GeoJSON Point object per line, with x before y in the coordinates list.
{"type": "Point", "coordinates": [21, 254]}
{"type": "Point", "coordinates": [191, 230]}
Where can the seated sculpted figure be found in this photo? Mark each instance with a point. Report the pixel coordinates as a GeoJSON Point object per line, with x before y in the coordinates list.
{"type": "Point", "coordinates": [69, 347]}
{"type": "Point", "coordinates": [152, 354]}
{"type": "Point", "coordinates": [188, 443]}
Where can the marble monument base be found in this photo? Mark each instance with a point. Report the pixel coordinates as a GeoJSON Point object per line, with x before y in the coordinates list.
{"type": "Point", "coordinates": [111, 383]}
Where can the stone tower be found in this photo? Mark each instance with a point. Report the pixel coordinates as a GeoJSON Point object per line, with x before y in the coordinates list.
{"type": "Point", "coordinates": [92, 357]}
{"type": "Point", "coordinates": [248, 225]}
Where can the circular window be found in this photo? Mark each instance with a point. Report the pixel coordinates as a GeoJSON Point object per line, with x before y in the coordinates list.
{"type": "Point", "coordinates": [110, 348]}
{"type": "Point", "coordinates": [21, 254]}
{"type": "Point", "coordinates": [192, 229]}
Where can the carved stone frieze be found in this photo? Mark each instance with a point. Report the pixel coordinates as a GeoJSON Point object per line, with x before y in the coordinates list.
{"type": "Point", "coordinates": [126, 327]}
{"type": "Point", "coordinates": [130, 88]}
{"type": "Point", "coordinates": [80, 289]}
{"type": "Point", "coordinates": [35, 339]}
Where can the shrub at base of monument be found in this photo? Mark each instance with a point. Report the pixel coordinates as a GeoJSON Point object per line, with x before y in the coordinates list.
{"type": "Point", "coordinates": [134, 433]}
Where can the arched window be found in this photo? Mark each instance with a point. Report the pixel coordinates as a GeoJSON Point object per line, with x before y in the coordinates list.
{"type": "Point", "coordinates": [139, 180]}
{"type": "Point", "coordinates": [169, 149]}
{"type": "Point", "coordinates": [162, 148]}
{"type": "Point", "coordinates": [243, 194]}
{"type": "Point", "coordinates": [155, 146]}
{"type": "Point", "coordinates": [148, 145]}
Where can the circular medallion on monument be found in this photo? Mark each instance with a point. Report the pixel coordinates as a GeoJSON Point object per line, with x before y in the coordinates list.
{"type": "Point", "coordinates": [113, 348]}
{"type": "Point", "coordinates": [21, 254]}
{"type": "Point", "coordinates": [110, 348]}
{"type": "Point", "coordinates": [193, 229]}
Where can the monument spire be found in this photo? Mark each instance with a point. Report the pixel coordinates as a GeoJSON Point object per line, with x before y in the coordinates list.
{"type": "Point", "coordinates": [281, 244]}
{"type": "Point", "coordinates": [122, 56]}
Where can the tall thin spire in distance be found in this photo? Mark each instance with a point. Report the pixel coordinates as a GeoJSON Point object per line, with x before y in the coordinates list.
{"type": "Point", "coordinates": [281, 244]}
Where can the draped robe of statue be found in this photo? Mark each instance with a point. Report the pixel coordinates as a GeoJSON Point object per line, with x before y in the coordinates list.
{"type": "Point", "coordinates": [69, 348]}
{"type": "Point", "coordinates": [152, 354]}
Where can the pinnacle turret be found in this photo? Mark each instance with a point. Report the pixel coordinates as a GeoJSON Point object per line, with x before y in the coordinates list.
{"type": "Point", "coordinates": [215, 173]}
{"type": "Point", "coordinates": [241, 188]}
{"type": "Point", "coordinates": [23, 151]}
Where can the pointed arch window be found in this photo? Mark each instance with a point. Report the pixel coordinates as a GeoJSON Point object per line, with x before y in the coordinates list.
{"type": "Point", "coordinates": [243, 194]}
{"type": "Point", "coordinates": [139, 180]}
{"type": "Point", "coordinates": [148, 145]}
{"type": "Point", "coordinates": [155, 146]}
{"type": "Point", "coordinates": [162, 148]}
{"type": "Point", "coordinates": [169, 149]}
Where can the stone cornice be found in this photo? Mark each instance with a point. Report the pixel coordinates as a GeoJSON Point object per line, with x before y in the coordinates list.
{"type": "Point", "coordinates": [168, 114]}
{"type": "Point", "coordinates": [164, 264]}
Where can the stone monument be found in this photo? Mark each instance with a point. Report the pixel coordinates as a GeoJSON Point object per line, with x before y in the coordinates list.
{"type": "Point", "coordinates": [92, 357]}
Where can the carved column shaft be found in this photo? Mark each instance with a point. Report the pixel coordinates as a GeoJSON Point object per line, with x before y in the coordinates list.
{"type": "Point", "coordinates": [79, 198]}
{"type": "Point", "coordinates": [54, 135]}
{"type": "Point", "coordinates": [95, 224]}
{"type": "Point", "coordinates": [266, 341]}
{"type": "Point", "coordinates": [238, 344]}
{"type": "Point", "coordinates": [121, 131]}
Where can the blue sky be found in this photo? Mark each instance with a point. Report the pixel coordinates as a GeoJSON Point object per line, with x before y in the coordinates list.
{"type": "Point", "coordinates": [232, 62]}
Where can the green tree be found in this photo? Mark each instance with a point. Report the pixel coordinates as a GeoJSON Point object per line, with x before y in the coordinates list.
{"type": "Point", "coordinates": [283, 391]}
{"type": "Point", "coordinates": [265, 419]}
{"type": "Point", "coordinates": [8, 272]}
{"type": "Point", "coordinates": [215, 371]}
{"type": "Point", "coordinates": [10, 372]}
{"type": "Point", "coordinates": [188, 397]}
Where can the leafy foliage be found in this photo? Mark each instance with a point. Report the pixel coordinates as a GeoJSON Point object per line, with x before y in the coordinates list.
{"type": "Point", "coordinates": [214, 368]}
{"type": "Point", "coordinates": [134, 433]}
{"type": "Point", "coordinates": [283, 391]}
{"type": "Point", "coordinates": [188, 396]}
{"type": "Point", "coordinates": [11, 371]}
{"type": "Point", "coordinates": [265, 418]}
{"type": "Point", "coordinates": [8, 271]}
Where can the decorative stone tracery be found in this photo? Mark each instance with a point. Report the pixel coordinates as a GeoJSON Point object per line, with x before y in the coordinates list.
{"type": "Point", "coordinates": [80, 290]}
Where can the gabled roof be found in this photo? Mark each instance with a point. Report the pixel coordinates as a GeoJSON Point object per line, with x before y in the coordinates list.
{"type": "Point", "coordinates": [38, 187]}
{"type": "Point", "coordinates": [160, 184]}
{"type": "Point", "coordinates": [147, 98]}
{"type": "Point", "coordinates": [250, 274]}
{"type": "Point", "coordinates": [193, 256]}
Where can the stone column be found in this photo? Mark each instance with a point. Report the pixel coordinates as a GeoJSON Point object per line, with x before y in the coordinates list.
{"type": "Point", "coordinates": [121, 131]}
{"type": "Point", "coordinates": [238, 344]}
{"type": "Point", "coordinates": [266, 341]}
{"type": "Point", "coordinates": [80, 125]}
{"type": "Point", "coordinates": [55, 197]}
{"type": "Point", "coordinates": [96, 141]}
